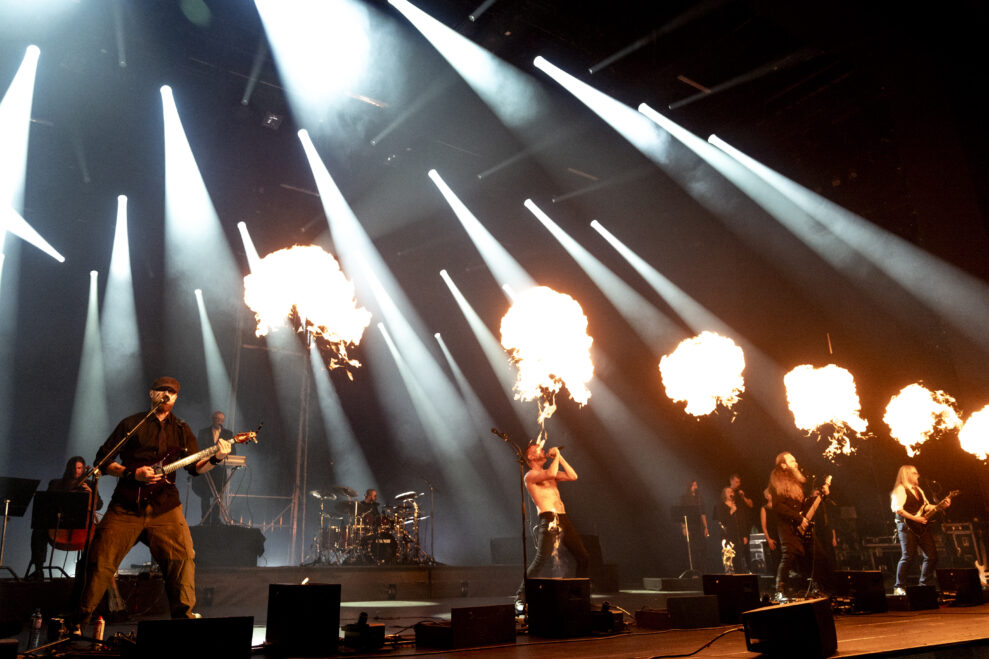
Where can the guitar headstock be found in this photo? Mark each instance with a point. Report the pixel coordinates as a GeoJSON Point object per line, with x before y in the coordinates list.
{"type": "Point", "coordinates": [244, 437]}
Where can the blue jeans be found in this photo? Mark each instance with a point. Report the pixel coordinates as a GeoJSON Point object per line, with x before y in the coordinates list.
{"type": "Point", "coordinates": [909, 543]}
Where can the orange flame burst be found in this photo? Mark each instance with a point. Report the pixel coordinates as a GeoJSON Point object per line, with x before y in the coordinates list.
{"type": "Point", "coordinates": [825, 396]}
{"type": "Point", "coordinates": [703, 371]}
{"type": "Point", "coordinates": [974, 436]}
{"type": "Point", "coordinates": [545, 334]}
{"type": "Point", "coordinates": [304, 285]}
{"type": "Point", "coordinates": [915, 413]}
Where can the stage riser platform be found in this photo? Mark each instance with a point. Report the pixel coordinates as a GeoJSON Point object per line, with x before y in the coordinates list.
{"type": "Point", "coordinates": [244, 591]}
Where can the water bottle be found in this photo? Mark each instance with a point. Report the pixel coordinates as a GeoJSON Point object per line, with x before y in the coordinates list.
{"type": "Point", "coordinates": [36, 620]}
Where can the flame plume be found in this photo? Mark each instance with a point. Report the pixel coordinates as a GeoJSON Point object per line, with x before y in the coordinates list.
{"type": "Point", "coordinates": [545, 334]}
{"type": "Point", "coordinates": [974, 436]}
{"type": "Point", "coordinates": [303, 286]}
{"type": "Point", "coordinates": [703, 371]}
{"type": "Point", "coordinates": [915, 413]}
{"type": "Point", "coordinates": [825, 396]}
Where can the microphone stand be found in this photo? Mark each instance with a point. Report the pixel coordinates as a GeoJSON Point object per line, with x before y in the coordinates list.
{"type": "Point", "coordinates": [520, 457]}
{"type": "Point", "coordinates": [94, 473]}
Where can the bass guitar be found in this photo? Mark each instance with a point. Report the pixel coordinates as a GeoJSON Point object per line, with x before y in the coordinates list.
{"type": "Point", "coordinates": [809, 515]}
{"type": "Point", "coordinates": [141, 493]}
{"type": "Point", "coordinates": [916, 527]}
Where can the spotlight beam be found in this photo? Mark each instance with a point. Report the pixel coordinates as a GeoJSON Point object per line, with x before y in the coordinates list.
{"type": "Point", "coordinates": [653, 327]}
{"type": "Point", "coordinates": [503, 266]}
{"type": "Point", "coordinates": [89, 409]}
{"type": "Point", "coordinates": [11, 221]}
{"type": "Point", "coordinates": [493, 351]}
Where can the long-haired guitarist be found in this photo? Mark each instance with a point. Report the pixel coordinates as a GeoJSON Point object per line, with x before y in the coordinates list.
{"type": "Point", "coordinates": [910, 504]}
{"type": "Point", "coordinates": [145, 505]}
{"type": "Point", "coordinates": [802, 553]}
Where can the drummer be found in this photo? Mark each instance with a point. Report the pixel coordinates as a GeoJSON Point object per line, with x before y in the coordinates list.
{"type": "Point", "coordinates": [368, 508]}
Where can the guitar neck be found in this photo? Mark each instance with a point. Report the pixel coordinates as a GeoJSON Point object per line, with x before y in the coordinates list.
{"type": "Point", "coordinates": [191, 459]}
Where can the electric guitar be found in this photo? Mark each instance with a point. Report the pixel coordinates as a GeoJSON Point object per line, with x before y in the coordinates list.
{"type": "Point", "coordinates": [809, 515]}
{"type": "Point", "coordinates": [141, 493]}
{"type": "Point", "coordinates": [916, 527]}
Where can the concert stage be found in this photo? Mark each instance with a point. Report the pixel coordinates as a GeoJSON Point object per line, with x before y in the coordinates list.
{"type": "Point", "coordinates": [400, 597]}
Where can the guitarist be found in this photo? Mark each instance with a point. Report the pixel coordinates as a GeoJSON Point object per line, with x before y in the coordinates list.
{"type": "Point", "coordinates": [159, 522]}
{"type": "Point", "coordinates": [802, 551]}
{"type": "Point", "coordinates": [909, 503]}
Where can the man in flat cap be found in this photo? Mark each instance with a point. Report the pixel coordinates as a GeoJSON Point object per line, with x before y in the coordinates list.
{"type": "Point", "coordinates": [145, 505]}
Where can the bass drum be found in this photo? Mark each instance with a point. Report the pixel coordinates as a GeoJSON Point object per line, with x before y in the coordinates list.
{"type": "Point", "coordinates": [381, 548]}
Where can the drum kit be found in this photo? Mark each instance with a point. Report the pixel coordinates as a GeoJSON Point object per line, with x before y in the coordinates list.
{"type": "Point", "coordinates": [354, 532]}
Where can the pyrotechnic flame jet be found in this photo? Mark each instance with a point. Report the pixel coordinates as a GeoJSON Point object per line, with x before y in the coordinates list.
{"type": "Point", "coordinates": [545, 334]}
{"type": "Point", "coordinates": [914, 414]}
{"type": "Point", "coordinates": [704, 371]}
{"type": "Point", "coordinates": [305, 287]}
{"type": "Point", "coordinates": [820, 397]}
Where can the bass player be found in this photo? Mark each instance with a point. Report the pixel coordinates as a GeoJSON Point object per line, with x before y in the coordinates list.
{"type": "Point", "coordinates": [910, 504]}
{"type": "Point", "coordinates": [803, 553]}
{"type": "Point", "coordinates": [145, 504]}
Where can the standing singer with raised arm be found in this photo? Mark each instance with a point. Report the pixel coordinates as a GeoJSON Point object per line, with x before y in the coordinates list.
{"type": "Point", "coordinates": [541, 482]}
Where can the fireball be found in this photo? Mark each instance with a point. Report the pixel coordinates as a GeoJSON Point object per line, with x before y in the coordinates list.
{"type": "Point", "coordinates": [915, 413]}
{"type": "Point", "coordinates": [974, 436]}
{"type": "Point", "coordinates": [704, 371]}
{"type": "Point", "coordinates": [545, 334]}
{"type": "Point", "coordinates": [825, 396]}
{"type": "Point", "coordinates": [303, 286]}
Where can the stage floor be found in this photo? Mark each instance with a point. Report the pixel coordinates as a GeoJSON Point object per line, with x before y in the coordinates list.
{"type": "Point", "coordinates": [426, 595]}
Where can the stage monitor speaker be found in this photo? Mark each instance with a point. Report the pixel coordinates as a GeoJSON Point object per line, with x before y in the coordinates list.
{"type": "Point", "coordinates": [303, 621]}
{"type": "Point", "coordinates": [801, 629]}
{"type": "Point", "coordinates": [469, 626]}
{"type": "Point", "coordinates": [964, 583]}
{"type": "Point", "coordinates": [736, 593]}
{"type": "Point", "coordinates": [864, 588]}
{"type": "Point", "coordinates": [559, 607]}
{"type": "Point", "coordinates": [921, 598]}
{"type": "Point", "coordinates": [8, 648]}
{"type": "Point", "coordinates": [693, 611]}
{"type": "Point", "coordinates": [227, 546]}
{"type": "Point", "coordinates": [202, 637]}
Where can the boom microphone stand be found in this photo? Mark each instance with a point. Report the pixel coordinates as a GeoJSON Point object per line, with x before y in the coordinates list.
{"type": "Point", "coordinates": [94, 473]}
{"type": "Point", "coordinates": [520, 457]}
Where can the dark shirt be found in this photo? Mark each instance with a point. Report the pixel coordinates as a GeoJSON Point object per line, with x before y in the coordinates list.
{"type": "Point", "coordinates": [772, 523]}
{"type": "Point", "coordinates": [732, 528]}
{"type": "Point", "coordinates": [790, 514]}
{"type": "Point", "coordinates": [143, 449]}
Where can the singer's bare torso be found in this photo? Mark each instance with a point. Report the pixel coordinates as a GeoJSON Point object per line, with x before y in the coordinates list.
{"type": "Point", "coordinates": [543, 490]}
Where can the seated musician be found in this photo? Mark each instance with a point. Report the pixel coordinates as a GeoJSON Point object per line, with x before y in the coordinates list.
{"type": "Point", "coordinates": [75, 468]}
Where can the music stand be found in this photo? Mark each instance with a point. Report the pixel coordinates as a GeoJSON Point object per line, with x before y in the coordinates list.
{"type": "Point", "coordinates": [682, 514]}
{"type": "Point", "coordinates": [62, 511]}
{"type": "Point", "coordinates": [15, 494]}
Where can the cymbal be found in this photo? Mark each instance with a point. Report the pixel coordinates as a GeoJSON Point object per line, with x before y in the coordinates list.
{"type": "Point", "coordinates": [343, 491]}
{"type": "Point", "coordinates": [412, 521]}
{"type": "Point", "coordinates": [328, 496]}
{"type": "Point", "coordinates": [408, 495]}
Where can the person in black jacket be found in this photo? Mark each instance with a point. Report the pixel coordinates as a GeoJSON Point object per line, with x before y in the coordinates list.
{"type": "Point", "coordinates": [145, 505]}
{"type": "Point", "coordinates": [802, 551]}
{"type": "Point", "coordinates": [212, 483]}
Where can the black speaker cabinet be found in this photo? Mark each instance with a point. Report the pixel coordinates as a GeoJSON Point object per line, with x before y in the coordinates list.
{"type": "Point", "coordinates": [864, 588]}
{"type": "Point", "coordinates": [303, 621]}
{"type": "Point", "coordinates": [964, 583]}
{"type": "Point", "coordinates": [469, 627]}
{"type": "Point", "coordinates": [227, 546]}
{"type": "Point", "coordinates": [801, 629]}
{"type": "Point", "coordinates": [736, 593]}
{"type": "Point", "coordinates": [921, 598]}
{"type": "Point", "coordinates": [204, 637]}
{"type": "Point", "coordinates": [693, 611]}
{"type": "Point", "coordinates": [559, 607]}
